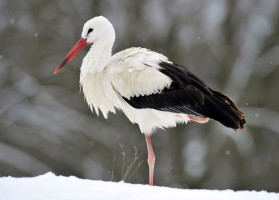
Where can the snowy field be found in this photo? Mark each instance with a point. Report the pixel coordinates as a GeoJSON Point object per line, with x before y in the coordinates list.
{"type": "Point", "coordinates": [52, 187]}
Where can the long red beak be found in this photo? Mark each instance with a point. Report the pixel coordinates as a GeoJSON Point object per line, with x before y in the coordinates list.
{"type": "Point", "coordinates": [74, 51]}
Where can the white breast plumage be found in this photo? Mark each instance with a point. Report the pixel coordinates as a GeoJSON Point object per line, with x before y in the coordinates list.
{"type": "Point", "coordinates": [103, 95]}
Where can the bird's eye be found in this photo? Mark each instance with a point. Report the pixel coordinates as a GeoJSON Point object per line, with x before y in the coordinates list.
{"type": "Point", "coordinates": [89, 30]}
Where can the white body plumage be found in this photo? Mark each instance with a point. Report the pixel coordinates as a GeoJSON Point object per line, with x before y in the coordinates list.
{"type": "Point", "coordinates": [129, 73]}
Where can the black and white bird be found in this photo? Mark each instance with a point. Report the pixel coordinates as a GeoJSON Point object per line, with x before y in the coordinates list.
{"type": "Point", "coordinates": [152, 91]}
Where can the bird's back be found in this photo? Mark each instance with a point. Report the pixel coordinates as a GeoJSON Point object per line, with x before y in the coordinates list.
{"type": "Point", "coordinates": [148, 80]}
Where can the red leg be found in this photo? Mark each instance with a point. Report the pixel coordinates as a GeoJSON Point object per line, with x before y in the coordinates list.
{"type": "Point", "coordinates": [150, 159]}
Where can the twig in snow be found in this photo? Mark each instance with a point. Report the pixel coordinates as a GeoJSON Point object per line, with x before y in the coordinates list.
{"type": "Point", "coordinates": [112, 171]}
{"type": "Point", "coordinates": [131, 165]}
{"type": "Point", "coordinates": [123, 160]}
{"type": "Point", "coordinates": [135, 169]}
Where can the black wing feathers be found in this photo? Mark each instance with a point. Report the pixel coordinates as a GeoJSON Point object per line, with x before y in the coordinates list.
{"type": "Point", "coordinates": [190, 95]}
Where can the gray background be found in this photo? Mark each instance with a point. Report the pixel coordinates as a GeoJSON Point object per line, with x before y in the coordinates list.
{"type": "Point", "coordinates": [45, 124]}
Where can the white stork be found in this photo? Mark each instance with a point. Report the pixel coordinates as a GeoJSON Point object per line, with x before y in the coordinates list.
{"type": "Point", "coordinates": [152, 91]}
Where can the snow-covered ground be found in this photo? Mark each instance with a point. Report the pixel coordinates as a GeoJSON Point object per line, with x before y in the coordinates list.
{"type": "Point", "coordinates": [52, 187]}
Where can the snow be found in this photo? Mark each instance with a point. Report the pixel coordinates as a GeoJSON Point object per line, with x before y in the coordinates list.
{"type": "Point", "coordinates": [50, 186]}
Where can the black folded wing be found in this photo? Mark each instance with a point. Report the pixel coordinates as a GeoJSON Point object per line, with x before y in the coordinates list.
{"type": "Point", "coordinates": [190, 95]}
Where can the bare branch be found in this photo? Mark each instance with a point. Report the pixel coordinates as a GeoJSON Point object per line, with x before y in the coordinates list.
{"type": "Point", "coordinates": [131, 165]}
{"type": "Point", "coordinates": [113, 165]}
{"type": "Point", "coordinates": [123, 158]}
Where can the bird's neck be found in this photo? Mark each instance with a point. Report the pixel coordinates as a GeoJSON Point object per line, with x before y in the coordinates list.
{"type": "Point", "coordinates": [97, 58]}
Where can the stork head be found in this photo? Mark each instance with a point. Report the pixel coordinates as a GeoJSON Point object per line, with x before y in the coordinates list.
{"type": "Point", "coordinates": [95, 31]}
{"type": "Point", "coordinates": [98, 29]}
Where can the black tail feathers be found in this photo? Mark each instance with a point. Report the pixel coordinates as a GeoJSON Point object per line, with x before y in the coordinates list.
{"type": "Point", "coordinates": [224, 110]}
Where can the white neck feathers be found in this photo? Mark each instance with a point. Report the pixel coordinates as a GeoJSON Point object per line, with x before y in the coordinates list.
{"type": "Point", "coordinates": [96, 59]}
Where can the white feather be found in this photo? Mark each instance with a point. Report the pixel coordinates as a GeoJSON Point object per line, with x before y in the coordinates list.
{"type": "Point", "coordinates": [135, 72]}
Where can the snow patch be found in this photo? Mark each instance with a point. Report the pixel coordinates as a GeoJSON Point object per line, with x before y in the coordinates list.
{"type": "Point", "coordinates": [50, 186]}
